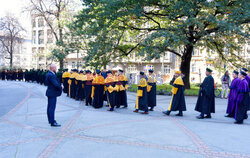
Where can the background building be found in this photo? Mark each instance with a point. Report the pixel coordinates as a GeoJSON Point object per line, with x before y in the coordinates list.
{"type": "Point", "coordinates": [22, 55]}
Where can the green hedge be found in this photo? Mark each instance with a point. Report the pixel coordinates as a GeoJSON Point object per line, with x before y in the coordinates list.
{"type": "Point", "coordinates": [166, 88]}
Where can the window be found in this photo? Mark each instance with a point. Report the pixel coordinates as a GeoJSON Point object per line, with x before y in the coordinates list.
{"type": "Point", "coordinates": [73, 64]}
{"type": "Point", "coordinates": [131, 69]}
{"type": "Point", "coordinates": [33, 50]}
{"type": "Point", "coordinates": [40, 22]}
{"type": "Point", "coordinates": [40, 37]}
{"type": "Point", "coordinates": [49, 36]}
{"type": "Point", "coordinates": [148, 67]}
{"type": "Point", "coordinates": [34, 37]}
{"type": "Point", "coordinates": [195, 52]}
{"type": "Point", "coordinates": [40, 50]}
{"type": "Point", "coordinates": [166, 69]}
{"type": "Point", "coordinates": [193, 68]}
{"type": "Point", "coordinates": [33, 23]}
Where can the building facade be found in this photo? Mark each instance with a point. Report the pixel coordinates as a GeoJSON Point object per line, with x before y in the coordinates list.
{"type": "Point", "coordinates": [21, 55]}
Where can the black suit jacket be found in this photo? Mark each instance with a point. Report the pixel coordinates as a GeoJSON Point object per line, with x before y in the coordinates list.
{"type": "Point", "coordinates": [54, 86]}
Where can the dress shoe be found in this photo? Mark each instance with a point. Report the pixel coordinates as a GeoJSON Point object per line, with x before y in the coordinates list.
{"type": "Point", "coordinates": [136, 110]}
{"type": "Point", "coordinates": [110, 109]}
{"type": "Point", "coordinates": [200, 117]}
{"type": "Point", "coordinates": [179, 114]}
{"type": "Point", "coordinates": [144, 112]}
{"type": "Point", "coordinates": [125, 107]}
{"type": "Point", "coordinates": [151, 109]}
{"type": "Point", "coordinates": [228, 115]}
{"type": "Point", "coordinates": [208, 117]}
{"type": "Point", "coordinates": [246, 116]}
{"type": "Point", "coordinates": [166, 112]}
{"type": "Point", "coordinates": [238, 122]}
{"type": "Point", "coordinates": [55, 125]}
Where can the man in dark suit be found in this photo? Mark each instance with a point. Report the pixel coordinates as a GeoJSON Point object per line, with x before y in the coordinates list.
{"type": "Point", "coordinates": [53, 91]}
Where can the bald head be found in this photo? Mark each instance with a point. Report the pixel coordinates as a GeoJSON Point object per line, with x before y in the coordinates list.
{"type": "Point", "coordinates": [52, 68]}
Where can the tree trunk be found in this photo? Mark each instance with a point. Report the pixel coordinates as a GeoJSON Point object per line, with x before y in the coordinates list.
{"type": "Point", "coordinates": [11, 60]}
{"type": "Point", "coordinates": [185, 64]}
{"type": "Point", "coordinates": [61, 64]}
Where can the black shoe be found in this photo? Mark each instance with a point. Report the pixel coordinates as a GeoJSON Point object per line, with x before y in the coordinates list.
{"type": "Point", "coordinates": [179, 114]}
{"type": "Point", "coordinates": [200, 117]}
{"type": "Point", "coordinates": [238, 122]}
{"type": "Point", "coordinates": [166, 112]}
{"type": "Point", "coordinates": [136, 110]}
{"type": "Point", "coordinates": [55, 125]}
{"type": "Point", "coordinates": [246, 116]}
{"type": "Point", "coordinates": [111, 109]}
{"type": "Point", "coordinates": [151, 109]}
{"type": "Point", "coordinates": [228, 115]}
{"type": "Point", "coordinates": [117, 107]}
{"type": "Point", "coordinates": [208, 117]}
{"type": "Point", "coordinates": [125, 107]}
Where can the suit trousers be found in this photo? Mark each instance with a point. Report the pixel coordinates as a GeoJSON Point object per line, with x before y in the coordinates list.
{"type": "Point", "coordinates": [51, 109]}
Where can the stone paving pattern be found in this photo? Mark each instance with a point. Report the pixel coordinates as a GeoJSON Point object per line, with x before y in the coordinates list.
{"type": "Point", "coordinates": [90, 133]}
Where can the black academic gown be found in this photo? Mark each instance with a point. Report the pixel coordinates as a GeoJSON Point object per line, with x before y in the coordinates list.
{"type": "Point", "coordinates": [65, 84]}
{"type": "Point", "coordinates": [98, 90]}
{"type": "Point", "coordinates": [152, 92]}
{"type": "Point", "coordinates": [109, 83]}
{"type": "Point", "coordinates": [80, 90]}
{"type": "Point", "coordinates": [178, 100]}
{"type": "Point", "coordinates": [142, 96]}
{"type": "Point", "coordinates": [88, 91]}
{"type": "Point", "coordinates": [3, 75]}
{"type": "Point", "coordinates": [121, 94]}
{"type": "Point", "coordinates": [206, 100]}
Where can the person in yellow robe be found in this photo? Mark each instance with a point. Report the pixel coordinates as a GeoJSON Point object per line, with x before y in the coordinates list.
{"type": "Point", "coordinates": [80, 86]}
{"type": "Point", "coordinates": [121, 87]}
{"type": "Point", "coordinates": [141, 99]}
{"type": "Point", "coordinates": [151, 90]}
{"type": "Point", "coordinates": [72, 84]}
{"type": "Point", "coordinates": [88, 87]}
{"type": "Point", "coordinates": [65, 77]}
{"type": "Point", "coordinates": [98, 90]}
{"type": "Point", "coordinates": [177, 102]}
{"type": "Point", "coordinates": [110, 86]}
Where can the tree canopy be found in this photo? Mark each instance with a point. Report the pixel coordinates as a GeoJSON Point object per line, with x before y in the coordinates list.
{"type": "Point", "coordinates": [117, 28]}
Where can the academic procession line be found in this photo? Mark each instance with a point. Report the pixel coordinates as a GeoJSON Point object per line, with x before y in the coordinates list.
{"type": "Point", "coordinates": [99, 87]}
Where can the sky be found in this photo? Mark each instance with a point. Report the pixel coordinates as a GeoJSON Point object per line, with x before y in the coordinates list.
{"type": "Point", "coordinates": [16, 7]}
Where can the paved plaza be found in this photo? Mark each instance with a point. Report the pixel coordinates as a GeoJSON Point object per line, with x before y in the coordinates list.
{"type": "Point", "coordinates": [96, 133]}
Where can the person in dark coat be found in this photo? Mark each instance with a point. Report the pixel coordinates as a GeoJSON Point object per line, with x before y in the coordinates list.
{"type": "Point", "coordinates": [98, 90]}
{"type": "Point", "coordinates": [3, 74]}
{"type": "Point", "coordinates": [178, 100]}
{"type": "Point", "coordinates": [206, 100]}
{"type": "Point", "coordinates": [88, 88]}
{"type": "Point", "coordinates": [110, 85]}
{"type": "Point", "coordinates": [232, 95]}
{"type": "Point", "coordinates": [26, 75]}
{"type": "Point", "coordinates": [54, 90]}
{"type": "Point", "coordinates": [151, 88]}
{"type": "Point", "coordinates": [142, 96]}
{"type": "Point", "coordinates": [242, 100]}
{"type": "Point", "coordinates": [20, 75]}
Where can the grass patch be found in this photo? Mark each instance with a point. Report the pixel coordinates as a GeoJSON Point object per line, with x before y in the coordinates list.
{"type": "Point", "coordinates": [166, 88]}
